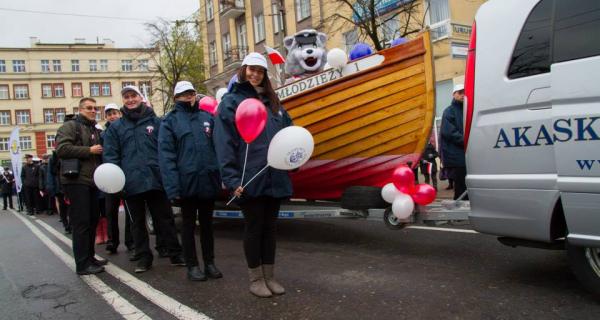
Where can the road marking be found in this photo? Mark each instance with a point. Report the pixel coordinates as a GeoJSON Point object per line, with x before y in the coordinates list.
{"type": "Point", "coordinates": [170, 305]}
{"type": "Point", "coordinates": [120, 304]}
{"type": "Point", "coordinates": [442, 229]}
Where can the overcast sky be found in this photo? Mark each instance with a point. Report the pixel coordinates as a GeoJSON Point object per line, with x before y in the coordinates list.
{"type": "Point", "coordinates": [16, 26]}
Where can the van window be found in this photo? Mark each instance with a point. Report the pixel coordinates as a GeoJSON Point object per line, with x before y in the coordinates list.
{"type": "Point", "coordinates": [576, 29]}
{"type": "Point", "coordinates": [532, 52]}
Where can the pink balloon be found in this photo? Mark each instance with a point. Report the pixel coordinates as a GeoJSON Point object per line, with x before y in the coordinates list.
{"type": "Point", "coordinates": [404, 179]}
{"type": "Point", "coordinates": [424, 194]}
{"type": "Point", "coordinates": [250, 119]}
{"type": "Point", "coordinates": [208, 104]}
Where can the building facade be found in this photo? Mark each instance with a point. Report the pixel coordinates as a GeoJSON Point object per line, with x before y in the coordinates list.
{"type": "Point", "coordinates": [41, 84]}
{"type": "Point", "coordinates": [232, 28]}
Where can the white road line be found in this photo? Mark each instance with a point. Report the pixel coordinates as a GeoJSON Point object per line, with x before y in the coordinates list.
{"type": "Point", "coordinates": [443, 229]}
{"type": "Point", "coordinates": [170, 305]}
{"type": "Point", "coordinates": [121, 306]}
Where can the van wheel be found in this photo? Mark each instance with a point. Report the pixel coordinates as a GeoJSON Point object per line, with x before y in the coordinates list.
{"type": "Point", "coordinates": [363, 197]}
{"type": "Point", "coordinates": [391, 221]}
{"type": "Point", "coordinates": [585, 263]}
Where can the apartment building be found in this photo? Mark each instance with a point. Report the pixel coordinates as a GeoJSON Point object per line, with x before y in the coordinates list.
{"type": "Point", "coordinates": [39, 85]}
{"type": "Point", "coordinates": [232, 28]}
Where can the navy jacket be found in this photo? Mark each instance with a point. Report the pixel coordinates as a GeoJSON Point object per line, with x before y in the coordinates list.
{"type": "Point", "coordinates": [231, 148]}
{"type": "Point", "coordinates": [133, 146]}
{"type": "Point", "coordinates": [453, 149]}
{"type": "Point", "coordinates": [186, 153]}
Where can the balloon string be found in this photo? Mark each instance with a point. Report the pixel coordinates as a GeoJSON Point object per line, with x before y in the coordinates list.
{"type": "Point", "coordinates": [244, 169]}
{"type": "Point", "coordinates": [247, 183]}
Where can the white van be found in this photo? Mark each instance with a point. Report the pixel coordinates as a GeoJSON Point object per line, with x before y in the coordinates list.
{"type": "Point", "coordinates": [532, 127]}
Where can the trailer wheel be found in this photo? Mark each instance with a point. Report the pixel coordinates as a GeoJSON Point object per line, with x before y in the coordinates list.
{"type": "Point", "coordinates": [585, 263]}
{"type": "Point", "coordinates": [363, 197]}
{"type": "Point", "coordinates": [391, 221]}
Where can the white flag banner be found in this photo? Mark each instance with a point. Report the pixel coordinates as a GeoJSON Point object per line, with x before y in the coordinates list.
{"type": "Point", "coordinates": [15, 157]}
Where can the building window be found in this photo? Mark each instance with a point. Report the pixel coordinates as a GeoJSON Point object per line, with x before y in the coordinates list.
{"type": "Point", "coordinates": [143, 65]}
{"type": "Point", "coordinates": [4, 92]}
{"type": "Point", "coordinates": [439, 19]}
{"type": "Point", "coordinates": [103, 65]}
{"type": "Point", "coordinates": [99, 113]}
{"type": "Point", "coordinates": [126, 65]}
{"type": "Point", "coordinates": [45, 65]}
{"type": "Point", "coordinates": [127, 83]}
{"type": "Point", "coordinates": [146, 88]}
{"type": "Point", "coordinates": [277, 18]}
{"type": "Point", "coordinates": [259, 28]}
{"type": "Point", "coordinates": [242, 40]}
{"type": "Point", "coordinates": [23, 116]}
{"type": "Point", "coordinates": [105, 87]}
{"type": "Point", "coordinates": [56, 67]}
{"type": "Point", "coordinates": [209, 10]}
{"type": "Point", "coordinates": [350, 39]}
{"type": "Point", "coordinates": [302, 9]}
{"type": "Point", "coordinates": [60, 115]}
{"type": "Point", "coordinates": [48, 116]}
{"type": "Point", "coordinates": [18, 65]}
{"type": "Point", "coordinates": [391, 30]}
{"type": "Point", "coordinates": [50, 141]}
{"type": "Point", "coordinates": [4, 144]}
{"type": "Point", "coordinates": [21, 91]}
{"type": "Point", "coordinates": [212, 53]}
{"type": "Point", "coordinates": [5, 118]}
{"type": "Point", "coordinates": [93, 66]}
{"type": "Point", "coordinates": [75, 65]}
{"type": "Point", "coordinates": [76, 89]}
{"type": "Point", "coordinates": [94, 89]}
{"type": "Point", "coordinates": [46, 90]}
{"type": "Point", "coordinates": [227, 46]}
{"type": "Point", "coordinates": [58, 89]}
{"type": "Point", "coordinates": [2, 66]}
{"type": "Point", "coordinates": [25, 143]}
{"type": "Point", "coordinates": [75, 110]}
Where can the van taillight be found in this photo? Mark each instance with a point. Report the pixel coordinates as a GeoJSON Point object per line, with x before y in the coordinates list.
{"type": "Point", "coordinates": [470, 85]}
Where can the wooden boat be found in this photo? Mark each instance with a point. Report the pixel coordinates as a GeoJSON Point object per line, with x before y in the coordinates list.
{"type": "Point", "coordinates": [365, 123]}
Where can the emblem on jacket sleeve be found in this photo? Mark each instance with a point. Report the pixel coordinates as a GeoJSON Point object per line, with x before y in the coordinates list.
{"type": "Point", "coordinates": [207, 129]}
{"type": "Point", "coordinates": [149, 129]}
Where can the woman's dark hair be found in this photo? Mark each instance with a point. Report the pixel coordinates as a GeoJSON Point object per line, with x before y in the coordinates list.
{"type": "Point", "coordinates": [266, 84]}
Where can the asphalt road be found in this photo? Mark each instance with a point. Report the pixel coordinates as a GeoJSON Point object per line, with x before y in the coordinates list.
{"type": "Point", "coordinates": [331, 268]}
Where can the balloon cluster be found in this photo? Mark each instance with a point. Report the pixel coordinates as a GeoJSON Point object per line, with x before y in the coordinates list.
{"type": "Point", "coordinates": [402, 192]}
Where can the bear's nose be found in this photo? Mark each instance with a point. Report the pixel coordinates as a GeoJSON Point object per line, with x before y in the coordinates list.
{"type": "Point", "coordinates": [309, 51]}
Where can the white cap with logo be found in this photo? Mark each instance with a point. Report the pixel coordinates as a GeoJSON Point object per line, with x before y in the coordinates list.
{"type": "Point", "coordinates": [458, 87]}
{"type": "Point", "coordinates": [255, 59]}
{"type": "Point", "coordinates": [111, 106]}
{"type": "Point", "coordinates": [183, 86]}
{"type": "Point", "coordinates": [131, 88]}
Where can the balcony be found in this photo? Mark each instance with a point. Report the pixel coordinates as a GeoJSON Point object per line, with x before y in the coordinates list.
{"type": "Point", "coordinates": [231, 9]}
{"type": "Point", "coordinates": [234, 56]}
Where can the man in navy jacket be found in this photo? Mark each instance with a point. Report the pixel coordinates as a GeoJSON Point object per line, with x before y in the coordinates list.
{"type": "Point", "coordinates": [453, 149]}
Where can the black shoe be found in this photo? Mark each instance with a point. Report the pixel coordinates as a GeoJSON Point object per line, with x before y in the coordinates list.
{"type": "Point", "coordinates": [4, 208]}
{"type": "Point", "coordinates": [163, 253]}
{"type": "Point", "coordinates": [177, 261]}
{"type": "Point", "coordinates": [143, 266]}
{"type": "Point", "coordinates": [91, 269]}
{"type": "Point", "coordinates": [97, 262]}
{"type": "Point", "coordinates": [111, 249]}
{"type": "Point", "coordinates": [211, 271]}
{"type": "Point", "coordinates": [134, 257]}
{"type": "Point", "coordinates": [130, 247]}
{"type": "Point", "coordinates": [195, 274]}
{"type": "Point", "coordinates": [68, 231]}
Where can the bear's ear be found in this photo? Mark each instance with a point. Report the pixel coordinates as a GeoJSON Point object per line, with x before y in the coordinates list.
{"type": "Point", "coordinates": [288, 42]}
{"type": "Point", "coordinates": [322, 38]}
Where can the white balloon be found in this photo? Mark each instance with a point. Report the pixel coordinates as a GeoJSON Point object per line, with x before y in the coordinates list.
{"type": "Point", "coordinates": [389, 192]}
{"type": "Point", "coordinates": [327, 66]}
{"type": "Point", "coordinates": [403, 206]}
{"type": "Point", "coordinates": [109, 178]}
{"type": "Point", "coordinates": [337, 58]}
{"type": "Point", "coordinates": [290, 148]}
{"type": "Point", "coordinates": [220, 93]}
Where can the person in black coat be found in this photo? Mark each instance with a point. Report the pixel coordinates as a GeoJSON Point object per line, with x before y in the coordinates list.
{"type": "Point", "coordinates": [7, 182]}
{"type": "Point", "coordinates": [453, 148]}
{"type": "Point", "coordinates": [29, 178]}
{"type": "Point", "coordinates": [190, 173]}
{"type": "Point", "coordinates": [428, 165]}
{"type": "Point", "coordinates": [261, 199]}
{"type": "Point", "coordinates": [56, 191]}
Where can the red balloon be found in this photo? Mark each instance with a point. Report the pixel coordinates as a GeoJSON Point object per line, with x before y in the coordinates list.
{"type": "Point", "coordinates": [250, 119]}
{"type": "Point", "coordinates": [404, 179]}
{"type": "Point", "coordinates": [208, 104]}
{"type": "Point", "coordinates": [424, 194]}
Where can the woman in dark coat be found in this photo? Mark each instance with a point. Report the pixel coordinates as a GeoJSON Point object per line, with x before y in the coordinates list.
{"type": "Point", "coordinates": [260, 200]}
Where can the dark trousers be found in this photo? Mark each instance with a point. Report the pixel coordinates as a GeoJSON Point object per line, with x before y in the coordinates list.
{"type": "Point", "coordinates": [433, 178]}
{"type": "Point", "coordinates": [83, 215]}
{"type": "Point", "coordinates": [260, 217]}
{"type": "Point", "coordinates": [63, 208]}
{"type": "Point", "coordinates": [460, 186]}
{"type": "Point", "coordinates": [21, 199]}
{"type": "Point", "coordinates": [112, 214]}
{"type": "Point", "coordinates": [162, 215]}
{"type": "Point", "coordinates": [31, 199]}
{"type": "Point", "coordinates": [5, 197]}
{"type": "Point", "coordinates": [194, 209]}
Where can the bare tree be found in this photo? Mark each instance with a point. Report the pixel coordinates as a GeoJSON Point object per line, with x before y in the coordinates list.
{"type": "Point", "coordinates": [367, 18]}
{"type": "Point", "coordinates": [180, 57]}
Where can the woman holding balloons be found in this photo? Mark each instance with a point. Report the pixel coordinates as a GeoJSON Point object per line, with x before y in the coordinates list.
{"type": "Point", "coordinates": [248, 118]}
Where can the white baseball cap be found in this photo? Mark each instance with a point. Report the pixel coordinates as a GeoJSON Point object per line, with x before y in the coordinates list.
{"type": "Point", "coordinates": [458, 87]}
{"type": "Point", "coordinates": [131, 88]}
{"type": "Point", "coordinates": [255, 59]}
{"type": "Point", "coordinates": [183, 86]}
{"type": "Point", "coordinates": [111, 106]}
